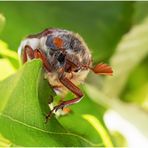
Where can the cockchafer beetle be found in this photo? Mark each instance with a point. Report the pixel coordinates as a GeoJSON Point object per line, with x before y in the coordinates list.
{"type": "Point", "coordinates": [66, 60]}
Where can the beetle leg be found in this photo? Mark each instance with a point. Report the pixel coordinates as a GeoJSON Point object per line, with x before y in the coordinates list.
{"type": "Point", "coordinates": [27, 51]}
{"type": "Point", "coordinates": [38, 54]}
{"type": "Point", "coordinates": [72, 87]}
{"type": "Point", "coordinates": [67, 83]}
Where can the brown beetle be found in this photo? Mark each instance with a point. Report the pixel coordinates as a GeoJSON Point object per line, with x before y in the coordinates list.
{"type": "Point", "coordinates": [66, 59]}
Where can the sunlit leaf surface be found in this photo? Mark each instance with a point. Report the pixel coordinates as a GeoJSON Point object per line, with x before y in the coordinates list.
{"type": "Point", "coordinates": [4, 142]}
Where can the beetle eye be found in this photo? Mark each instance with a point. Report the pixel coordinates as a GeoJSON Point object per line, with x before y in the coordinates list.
{"type": "Point", "coordinates": [61, 58]}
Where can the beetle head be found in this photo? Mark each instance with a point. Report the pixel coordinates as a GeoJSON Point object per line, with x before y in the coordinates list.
{"type": "Point", "coordinates": [68, 49]}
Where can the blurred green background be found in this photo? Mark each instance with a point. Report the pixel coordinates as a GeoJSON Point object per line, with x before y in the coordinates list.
{"type": "Point", "coordinates": [101, 24]}
{"type": "Point", "coordinates": [116, 33]}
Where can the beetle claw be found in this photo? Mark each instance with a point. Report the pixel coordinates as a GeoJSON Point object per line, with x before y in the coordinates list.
{"type": "Point", "coordinates": [60, 106]}
{"type": "Point", "coordinates": [56, 108]}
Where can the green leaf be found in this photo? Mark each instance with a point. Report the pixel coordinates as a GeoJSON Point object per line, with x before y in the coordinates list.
{"type": "Point", "coordinates": [4, 142]}
{"type": "Point", "coordinates": [100, 129]}
{"type": "Point", "coordinates": [22, 111]}
{"type": "Point", "coordinates": [119, 139]}
{"type": "Point", "coordinates": [88, 116]}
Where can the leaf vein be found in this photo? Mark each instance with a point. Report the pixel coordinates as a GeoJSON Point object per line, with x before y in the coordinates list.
{"type": "Point", "coordinates": [48, 132]}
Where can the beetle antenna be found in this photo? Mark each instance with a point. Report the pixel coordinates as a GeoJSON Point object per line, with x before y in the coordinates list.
{"type": "Point", "coordinates": [100, 69]}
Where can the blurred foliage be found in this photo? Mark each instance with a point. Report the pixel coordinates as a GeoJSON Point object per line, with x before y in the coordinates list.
{"type": "Point", "coordinates": [101, 24]}
{"type": "Point", "coordinates": [132, 49]}
{"type": "Point", "coordinates": [6, 68]}
{"type": "Point", "coordinates": [136, 89]}
{"type": "Point", "coordinates": [8, 61]}
{"type": "Point", "coordinates": [119, 139]}
{"type": "Point", "coordinates": [114, 31]}
{"type": "Point", "coordinates": [9, 54]}
{"type": "Point", "coordinates": [137, 84]}
{"type": "Point", "coordinates": [141, 12]}
{"type": "Point", "coordinates": [2, 22]}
